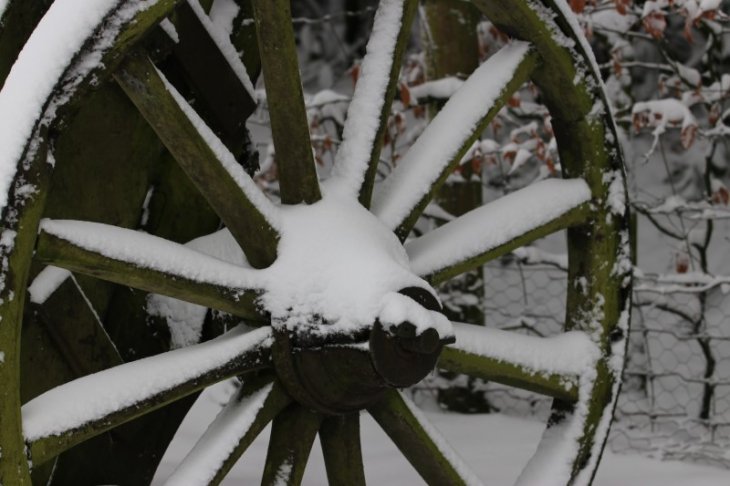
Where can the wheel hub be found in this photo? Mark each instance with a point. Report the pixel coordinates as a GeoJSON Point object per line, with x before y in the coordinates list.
{"type": "Point", "coordinates": [337, 374]}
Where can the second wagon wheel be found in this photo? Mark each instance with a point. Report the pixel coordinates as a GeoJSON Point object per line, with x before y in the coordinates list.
{"type": "Point", "coordinates": [345, 310]}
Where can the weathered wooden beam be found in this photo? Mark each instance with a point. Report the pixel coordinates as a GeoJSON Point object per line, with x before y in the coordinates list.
{"type": "Point", "coordinates": [292, 436]}
{"type": "Point", "coordinates": [289, 126]}
{"type": "Point", "coordinates": [55, 250]}
{"type": "Point", "coordinates": [242, 207]}
{"type": "Point", "coordinates": [339, 436]}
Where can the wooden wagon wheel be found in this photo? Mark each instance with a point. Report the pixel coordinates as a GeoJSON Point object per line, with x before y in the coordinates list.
{"type": "Point", "coordinates": [345, 310]}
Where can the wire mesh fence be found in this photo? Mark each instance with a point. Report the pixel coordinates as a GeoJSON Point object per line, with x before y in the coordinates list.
{"type": "Point", "coordinates": [675, 400]}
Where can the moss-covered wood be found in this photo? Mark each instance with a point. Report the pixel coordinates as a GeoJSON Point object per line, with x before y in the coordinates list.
{"type": "Point", "coordinates": [292, 436]}
{"type": "Point", "coordinates": [521, 75]}
{"type": "Point", "coordinates": [554, 385]}
{"type": "Point", "coordinates": [142, 82]}
{"type": "Point", "coordinates": [61, 253]}
{"type": "Point", "coordinates": [414, 441]}
{"type": "Point", "coordinates": [21, 218]}
{"type": "Point", "coordinates": [45, 448]}
{"type": "Point", "coordinates": [573, 217]}
{"type": "Point", "coordinates": [289, 127]}
{"type": "Point", "coordinates": [340, 439]}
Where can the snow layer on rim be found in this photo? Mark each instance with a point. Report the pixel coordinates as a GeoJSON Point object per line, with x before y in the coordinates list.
{"type": "Point", "coordinates": [96, 396]}
{"type": "Point", "coordinates": [445, 135]}
{"type": "Point", "coordinates": [226, 158]}
{"type": "Point", "coordinates": [495, 223]}
{"type": "Point", "coordinates": [3, 6]}
{"type": "Point", "coordinates": [60, 34]}
{"type": "Point", "coordinates": [220, 439]}
{"type": "Point", "coordinates": [569, 353]}
{"type": "Point", "coordinates": [442, 444]}
{"type": "Point", "coordinates": [185, 319]}
{"type": "Point", "coordinates": [363, 115]}
{"type": "Point", "coordinates": [46, 282]}
{"type": "Point", "coordinates": [152, 252]}
{"type": "Point", "coordinates": [336, 261]}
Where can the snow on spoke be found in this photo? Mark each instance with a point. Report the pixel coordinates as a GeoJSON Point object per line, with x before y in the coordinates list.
{"type": "Point", "coordinates": [370, 106]}
{"type": "Point", "coordinates": [150, 263]}
{"type": "Point", "coordinates": [551, 366]}
{"type": "Point", "coordinates": [80, 409]}
{"type": "Point", "coordinates": [427, 162]}
{"type": "Point", "coordinates": [226, 47]}
{"type": "Point", "coordinates": [499, 227]}
{"type": "Point", "coordinates": [250, 216]}
{"type": "Point", "coordinates": [419, 441]}
{"type": "Point", "coordinates": [228, 436]}
{"type": "Point", "coordinates": [225, 157]}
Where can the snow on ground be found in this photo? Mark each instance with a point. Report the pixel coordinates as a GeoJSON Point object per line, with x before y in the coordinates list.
{"type": "Point", "coordinates": [495, 446]}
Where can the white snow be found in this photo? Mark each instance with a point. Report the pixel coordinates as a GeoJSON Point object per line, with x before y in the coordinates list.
{"type": "Point", "coordinates": [150, 252]}
{"type": "Point", "coordinates": [226, 158]}
{"type": "Point", "coordinates": [496, 223]}
{"type": "Point", "coordinates": [567, 354]}
{"type": "Point", "coordinates": [336, 261]}
{"type": "Point", "coordinates": [96, 396]}
{"type": "Point", "coordinates": [445, 135]}
{"type": "Point", "coordinates": [47, 282]}
{"type": "Point", "coordinates": [440, 89]}
{"type": "Point", "coordinates": [223, 13]}
{"type": "Point", "coordinates": [363, 115]}
{"type": "Point", "coordinates": [223, 41]}
{"type": "Point", "coordinates": [50, 50]}
{"type": "Point", "coordinates": [184, 319]}
{"type": "Point", "coordinates": [220, 439]}
{"type": "Point", "coordinates": [170, 30]}
{"type": "Point", "coordinates": [398, 308]}
{"type": "Point", "coordinates": [3, 6]}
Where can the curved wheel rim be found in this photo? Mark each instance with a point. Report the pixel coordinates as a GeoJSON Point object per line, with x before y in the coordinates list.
{"type": "Point", "coordinates": [596, 221]}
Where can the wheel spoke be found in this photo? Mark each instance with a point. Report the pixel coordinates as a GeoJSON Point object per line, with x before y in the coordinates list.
{"type": "Point", "coordinates": [495, 229]}
{"type": "Point", "coordinates": [215, 72]}
{"type": "Point", "coordinates": [289, 126]}
{"type": "Point", "coordinates": [72, 323]}
{"type": "Point", "coordinates": [340, 439]}
{"type": "Point", "coordinates": [427, 164]}
{"type": "Point", "coordinates": [357, 159]}
{"type": "Point", "coordinates": [230, 434]}
{"type": "Point", "coordinates": [420, 443]}
{"type": "Point", "coordinates": [292, 435]}
{"type": "Point", "coordinates": [149, 263]}
{"type": "Point", "coordinates": [88, 406]}
{"type": "Point", "coordinates": [246, 211]}
{"type": "Point", "coordinates": [550, 366]}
